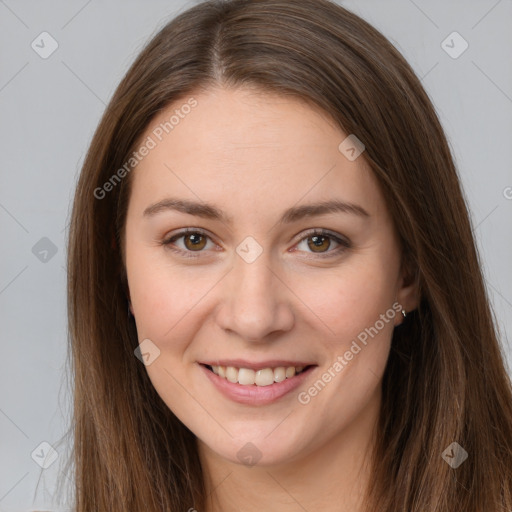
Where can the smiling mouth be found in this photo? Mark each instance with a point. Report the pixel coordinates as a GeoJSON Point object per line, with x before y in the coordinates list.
{"type": "Point", "coordinates": [262, 377]}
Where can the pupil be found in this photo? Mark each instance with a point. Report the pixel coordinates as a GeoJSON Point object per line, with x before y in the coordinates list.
{"type": "Point", "coordinates": [318, 240]}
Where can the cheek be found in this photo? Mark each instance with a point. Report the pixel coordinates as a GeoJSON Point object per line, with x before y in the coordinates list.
{"type": "Point", "coordinates": [354, 308]}
{"type": "Point", "coordinates": [151, 300]}
{"type": "Point", "coordinates": [352, 297]}
{"type": "Point", "coordinates": [340, 302]}
{"type": "Point", "coordinates": [163, 296]}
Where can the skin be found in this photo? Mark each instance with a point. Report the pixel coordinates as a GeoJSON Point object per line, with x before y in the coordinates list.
{"type": "Point", "coordinates": [254, 155]}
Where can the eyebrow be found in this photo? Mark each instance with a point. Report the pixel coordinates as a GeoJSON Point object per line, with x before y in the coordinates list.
{"type": "Point", "coordinates": [293, 214]}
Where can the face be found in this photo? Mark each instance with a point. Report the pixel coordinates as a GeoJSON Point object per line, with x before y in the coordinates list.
{"type": "Point", "coordinates": [262, 279]}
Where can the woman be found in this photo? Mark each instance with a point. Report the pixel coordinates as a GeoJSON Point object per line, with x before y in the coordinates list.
{"type": "Point", "coordinates": [275, 298]}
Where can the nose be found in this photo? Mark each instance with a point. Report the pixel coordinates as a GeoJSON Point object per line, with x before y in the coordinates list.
{"type": "Point", "coordinates": [256, 301]}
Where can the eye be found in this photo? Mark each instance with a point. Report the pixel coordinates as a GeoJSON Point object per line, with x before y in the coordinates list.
{"type": "Point", "coordinates": [194, 240]}
{"type": "Point", "coordinates": [319, 241]}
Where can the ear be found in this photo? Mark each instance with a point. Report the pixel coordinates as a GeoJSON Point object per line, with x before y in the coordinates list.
{"type": "Point", "coordinates": [407, 294]}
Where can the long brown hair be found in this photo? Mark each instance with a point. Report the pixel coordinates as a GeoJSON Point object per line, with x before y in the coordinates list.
{"type": "Point", "coordinates": [445, 379]}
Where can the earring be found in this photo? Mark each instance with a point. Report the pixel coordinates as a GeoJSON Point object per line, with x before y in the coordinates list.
{"type": "Point", "coordinates": [404, 313]}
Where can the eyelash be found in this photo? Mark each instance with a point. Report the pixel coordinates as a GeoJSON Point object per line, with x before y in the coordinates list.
{"type": "Point", "coordinates": [344, 244]}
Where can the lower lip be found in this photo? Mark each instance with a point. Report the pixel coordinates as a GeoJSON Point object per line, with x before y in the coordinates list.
{"type": "Point", "coordinates": [256, 395]}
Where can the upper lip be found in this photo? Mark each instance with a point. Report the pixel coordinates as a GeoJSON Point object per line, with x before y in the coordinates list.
{"type": "Point", "coordinates": [242, 363]}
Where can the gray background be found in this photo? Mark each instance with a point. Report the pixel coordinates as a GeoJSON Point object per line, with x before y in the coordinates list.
{"type": "Point", "coordinates": [50, 107]}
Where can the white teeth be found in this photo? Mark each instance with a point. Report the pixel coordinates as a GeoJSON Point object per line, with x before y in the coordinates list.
{"type": "Point", "coordinates": [246, 376]}
{"type": "Point", "coordinates": [263, 377]}
{"type": "Point", "coordinates": [232, 374]}
{"type": "Point", "coordinates": [279, 374]}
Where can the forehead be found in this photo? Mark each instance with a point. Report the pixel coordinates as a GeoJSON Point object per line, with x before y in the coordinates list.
{"type": "Point", "coordinates": [247, 149]}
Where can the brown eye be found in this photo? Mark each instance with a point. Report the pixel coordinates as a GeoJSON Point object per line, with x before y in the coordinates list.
{"type": "Point", "coordinates": [319, 243]}
{"type": "Point", "coordinates": [323, 243]}
{"type": "Point", "coordinates": [188, 243]}
{"type": "Point", "coordinates": [194, 241]}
